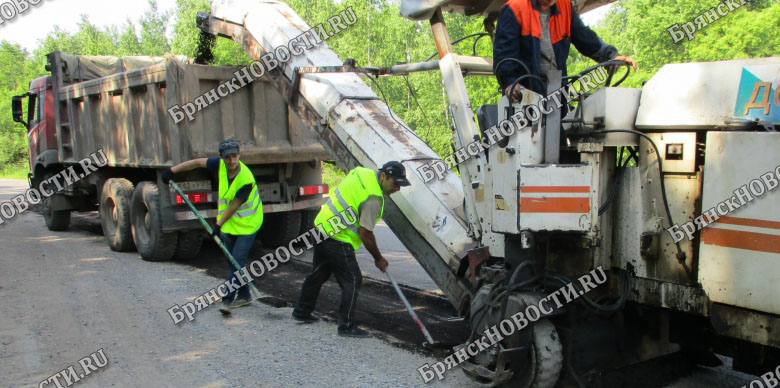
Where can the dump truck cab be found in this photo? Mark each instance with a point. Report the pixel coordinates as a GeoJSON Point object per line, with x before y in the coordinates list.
{"type": "Point", "coordinates": [40, 125]}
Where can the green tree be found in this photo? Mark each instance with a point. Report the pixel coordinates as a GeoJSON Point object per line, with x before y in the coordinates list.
{"type": "Point", "coordinates": [13, 81]}
{"type": "Point", "coordinates": [127, 41]}
{"type": "Point", "coordinates": [153, 26]}
{"type": "Point", "coordinates": [185, 32]}
{"type": "Point", "coordinates": [381, 37]}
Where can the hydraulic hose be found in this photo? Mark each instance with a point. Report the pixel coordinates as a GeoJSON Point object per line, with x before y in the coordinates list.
{"type": "Point", "coordinates": [680, 253]}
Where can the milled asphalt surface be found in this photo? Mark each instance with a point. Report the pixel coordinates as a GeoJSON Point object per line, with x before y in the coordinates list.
{"type": "Point", "coordinates": [64, 295]}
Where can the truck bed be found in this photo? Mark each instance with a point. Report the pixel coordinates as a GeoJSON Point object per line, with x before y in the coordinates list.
{"type": "Point", "coordinates": [126, 114]}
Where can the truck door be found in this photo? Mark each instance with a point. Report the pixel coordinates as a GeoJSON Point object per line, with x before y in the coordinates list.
{"type": "Point", "coordinates": [36, 127]}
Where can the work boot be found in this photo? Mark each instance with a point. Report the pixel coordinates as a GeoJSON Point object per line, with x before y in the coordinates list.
{"type": "Point", "coordinates": [225, 308]}
{"type": "Point", "coordinates": [351, 330]}
{"type": "Point", "coordinates": [305, 318]}
{"type": "Point", "coordinates": [240, 302]}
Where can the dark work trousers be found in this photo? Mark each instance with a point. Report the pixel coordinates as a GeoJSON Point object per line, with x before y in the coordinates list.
{"type": "Point", "coordinates": [338, 258]}
{"type": "Point", "coordinates": [239, 246]}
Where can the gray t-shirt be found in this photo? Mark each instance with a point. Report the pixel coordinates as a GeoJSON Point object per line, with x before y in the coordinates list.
{"type": "Point", "coordinates": [369, 211]}
{"type": "Point", "coordinates": [547, 60]}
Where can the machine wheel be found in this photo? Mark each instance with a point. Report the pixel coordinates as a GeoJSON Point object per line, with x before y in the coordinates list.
{"type": "Point", "coordinates": [279, 228]}
{"type": "Point", "coordinates": [546, 360]}
{"type": "Point", "coordinates": [540, 369]}
{"type": "Point", "coordinates": [146, 216]}
{"type": "Point", "coordinates": [188, 245]}
{"type": "Point", "coordinates": [56, 220]}
{"type": "Point", "coordinates": [114, 211]}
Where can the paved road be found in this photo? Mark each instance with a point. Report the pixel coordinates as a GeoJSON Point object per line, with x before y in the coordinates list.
{"type": "Point", "coordinates": [10, 188]}
{"type": "Point", "coordinates": [65, 295]}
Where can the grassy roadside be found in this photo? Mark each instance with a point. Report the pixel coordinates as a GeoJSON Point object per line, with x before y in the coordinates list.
{"type": "Point", "coordinates": [14, 171]}
{"type": "Point", "coordinates": [331, 175]}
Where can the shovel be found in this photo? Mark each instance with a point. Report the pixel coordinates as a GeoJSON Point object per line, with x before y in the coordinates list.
{"type": "Point", "coordinates": [276, 302]}
{"type": "Point", "coordinates": [438, 348]}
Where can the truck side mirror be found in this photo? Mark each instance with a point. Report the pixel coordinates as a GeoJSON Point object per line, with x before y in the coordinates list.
{"type": "Point", "coordinates": [17, 111]}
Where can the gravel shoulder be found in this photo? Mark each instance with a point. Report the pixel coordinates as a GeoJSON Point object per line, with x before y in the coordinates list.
{"type": "Point", "coordinates": [65, 295]}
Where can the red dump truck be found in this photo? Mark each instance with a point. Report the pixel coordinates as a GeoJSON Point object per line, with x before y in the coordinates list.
{"type": "Point", "coordinates": [118, 106]}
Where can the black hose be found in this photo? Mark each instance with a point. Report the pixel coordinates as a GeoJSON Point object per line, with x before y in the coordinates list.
{"type": "Point", "coordinates": [475, 322]}
{"type": "Point", "coordinates": [456, 41]}
{"type": "Point", "coordinates": [474, 45]}
{"type": "Point", "coordinates": [509, 286]}
{"type": "Point", "coordinates": [498, 66]}
{"type": "Point", "coordinates": [613, 192]}
{"type": "Point", "coordinates": [680, 253]}
{"type": "Point", "coordinates": [517, 82]}
{"type": "Point", "coordinates": [625, 292]}
{"type": "Point", "coordinates": [610, 62]}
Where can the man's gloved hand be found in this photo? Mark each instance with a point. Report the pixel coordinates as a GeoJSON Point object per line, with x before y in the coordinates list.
{"type": "Point", "coordinates": [215, 231]}
{"type": "Point", "coordinates": [167, 176]}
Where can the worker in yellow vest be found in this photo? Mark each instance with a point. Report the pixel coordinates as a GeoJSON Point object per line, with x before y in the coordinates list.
{"type": "Point", "coordinates": [361, 193]}
{"type": "Point", "coordinates": [240, 210]}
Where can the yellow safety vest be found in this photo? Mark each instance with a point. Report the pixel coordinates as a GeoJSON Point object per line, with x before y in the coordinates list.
{"type": "Point", "coordinates": [249, 216]}
{"type": "Point", "coordinates": [357, 186]}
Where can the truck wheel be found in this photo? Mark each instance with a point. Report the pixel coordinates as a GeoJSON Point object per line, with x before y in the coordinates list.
{"type": "Point", "coordinates": [188, 245]}
{"type": "Point", "coordinates": [56, 220]}
{"type": "Point", "coordinates": [146, 216]}
{"type": "Point", "coordinates": [115, 214]}
{"type": "Point", "coordinates": [279, 228]}
{"type": "Point", "coordinates": [307, 220]}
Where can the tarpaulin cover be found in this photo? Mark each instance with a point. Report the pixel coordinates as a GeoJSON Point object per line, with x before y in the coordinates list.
{"type": "Point", "coordinates": [83, 67]}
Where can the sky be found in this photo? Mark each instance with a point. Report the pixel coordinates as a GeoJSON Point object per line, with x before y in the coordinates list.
{"type": "Point", "coordinates": [33, 25]}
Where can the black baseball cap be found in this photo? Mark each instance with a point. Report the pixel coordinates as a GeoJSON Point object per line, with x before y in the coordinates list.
{"type": "Point", "coordinates": [227, 147]}
{"type": "Point", "coordinates": [397, 171]}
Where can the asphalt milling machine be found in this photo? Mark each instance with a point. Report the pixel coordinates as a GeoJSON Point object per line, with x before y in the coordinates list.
{"type": "Point", "coordinates": [526, 215]}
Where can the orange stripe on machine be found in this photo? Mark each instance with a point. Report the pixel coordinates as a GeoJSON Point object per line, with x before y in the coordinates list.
{"type": "Point", "coordinates": [728, 238]}
{"type": "Point", "coordinates": [554, 205]}
{"type": "Point", "coordinates": [749, 222]}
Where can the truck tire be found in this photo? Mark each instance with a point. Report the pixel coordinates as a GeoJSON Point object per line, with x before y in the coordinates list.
{"type": "Point", "coordinates": [279, 228]}
{"type": "Point", "coordinates": [188, 245]}
{"type": "Point", "coordinates": [56, 220]}
{"type": "Point", "coordinates": [146, 219]}
{"type": "Point", "coordinates": [307, 220]}
{"type": "Point", "coordinates": [115, 214]}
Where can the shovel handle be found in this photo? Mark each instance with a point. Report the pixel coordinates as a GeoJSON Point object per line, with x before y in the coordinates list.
{"type": "Point", "coordinates": [410, 309]}
{"type": "Point", "coordinates": [216, 238]}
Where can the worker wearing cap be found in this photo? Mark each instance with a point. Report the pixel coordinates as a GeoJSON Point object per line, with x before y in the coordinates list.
{"type": "Point", "coordinates": [240, 210]}
{"type": "Point", "coordinates": [361, 193]}
{"type": "Point", "coordinates": [535, 35]}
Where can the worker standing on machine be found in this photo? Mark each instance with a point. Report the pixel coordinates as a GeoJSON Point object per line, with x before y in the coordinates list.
{"type": "Point", "coordinates": [534, 36]}
{"type": "Point", "coordinates": [240, 210]}
{"type": "Point", "coordinates": [363, 191]}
